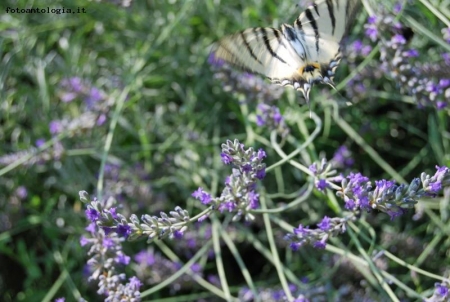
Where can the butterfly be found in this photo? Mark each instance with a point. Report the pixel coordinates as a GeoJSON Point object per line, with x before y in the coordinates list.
{"type": "Point", "coordinates": [298, 55]}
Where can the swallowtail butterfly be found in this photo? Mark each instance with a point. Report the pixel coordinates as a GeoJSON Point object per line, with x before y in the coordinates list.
{"type": "Point", "coordinates": [298, 55]}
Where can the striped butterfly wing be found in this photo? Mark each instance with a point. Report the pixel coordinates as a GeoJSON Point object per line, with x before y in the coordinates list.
{"type": "Point", "coordinates": [300, 55]}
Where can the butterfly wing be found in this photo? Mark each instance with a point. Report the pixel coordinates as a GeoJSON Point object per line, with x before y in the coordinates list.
{"type": "Point", "coordinates": [261, 50]}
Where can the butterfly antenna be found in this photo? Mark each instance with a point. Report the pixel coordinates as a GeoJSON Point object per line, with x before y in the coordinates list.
{"type": "Point", "coordinates": [305, 90]}
{"type": "Point", "coordinates": [309, 106]}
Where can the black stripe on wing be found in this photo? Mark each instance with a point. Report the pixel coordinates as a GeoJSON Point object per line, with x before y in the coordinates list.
{"type": "Point", "coordinates": [312, 22]}
{"type": "Point", "coordinates": [330, 7]}
{"type": "Point", "coordinates": [233, 59]}
{"type": "Point", "coordinates": [267, 42]}
{"type": "Point", "coordinates": [249, 48]}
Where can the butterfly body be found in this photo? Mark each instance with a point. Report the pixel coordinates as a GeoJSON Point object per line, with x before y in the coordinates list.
{"type": "Point", "coordinates": [298, 55]}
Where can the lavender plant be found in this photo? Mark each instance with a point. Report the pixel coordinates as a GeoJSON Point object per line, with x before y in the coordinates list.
{"type": "Point", "coordinates": [105, 250]}
{"type": "Point", "coordinates": [358, 194]}
{"type": "Point", "coordinates": [240, 198]}
{"type": "Point", "coordinates": [264, 221]}
{"type": "Point", "coordinates": [428, 82]}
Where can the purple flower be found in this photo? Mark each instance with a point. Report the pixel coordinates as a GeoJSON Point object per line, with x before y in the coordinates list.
{"type": "Point", "coordinates": [325, 225]}
{"type": "Point", "coordinates": [366, 50]}
{"type": "Point", "coordinates": [320, 244]}
{"type": "Point", "coordinates": [121, 258]}
{"type": "Point", "coordinates": [39, 142]}
{"type": "Point", "coordinates": [398, 39]}
{"type": "Point", "coordinates": [295, 246]}
{"type": "Point", "coordinates": [135, 283]}
{"type": "Point", "coordinates": [277, 117]}
{"type": "Point", "coordinates": [261, 154]}
{"type": "Point", "coordinates": [55, 127]}
{"type": "Point", "coordinates": [350, 204]}
{"type": "Point", "coordinates": [260, 121]}
{"type": "Point", "coordinates": [101, 119]}
{"type": "Point", "coordinates": [247, 168]}
{"type": "Point", "coordinates": [313, 168]}
{"type": "Point", "coordinates": [113, 212]}
{"type": "Point", "coordinates": [62, 299]}
{"type": "Point", "coordinates": [411, 53]}
{"type": "Point", "coordinates": [372, 32]}
{"type": "Point", "coordinates": [201, 195]}
{"type": "Point", "coordinates": [321, 185]}
{"type": "Point", "coordinates": [441, 105]}
{"type": "Point", "coordinates": [441, 290]}
{"type": "Point", "coordinates": [226, 159]}
{"type": "Point", "coordinates": [357, 178]}
{"type": "Point", "coordinates": [83, 241]}
{"type": "Point", "coordinates": [271, 117]}
{"type": "Point", "coordinates": [228, 205]}
{"type": "Point", "coordinates": [68, 96]}
{"type": "Point", "coordinates": [436, 185]}
{"type": "Point", "coordinates": [92, 214]}
{"type": "Point", "coordinates": [123, 230]}
{"type": "Point", "coordinates": [93, 97]}
{"type": "Point", "coordinates": [342, 157]}
{"type": "Point", "coordinates": [178, 234]}
{"type": "Point", "coordinates": [372, 19]}
{"type": "Point", "coordinates": [145, 257]}
{"type": "Point", "coordinates": [214, 61]}
{"type": "Point", "coordinates": [357, 46]}
{"type": "Point", "coordinates": [444, 83]}
{"type": "Point", "coordinates": [73, 87]}
{"type": "Point", "coordinates": [446, 34]}
{"type": "Point", "coordinates": [75, 84]}
{"type": "Point", "coordinates": [446, 57]}
{"type": "Point", "coordinates": [21, 192]}
{"type": "Point", "coordinates": [260, 174]}
{"type": "Point", "coordinates": [91, 228]}
{"type": "Point", "coordinates": [253, 199]}
{"type": "Point", "coordinates": [196, 268]}
{"type": "Point", "coordinates": [108, 242]}
{"type": "Point", "coordinates": [395, 212]}
{"type": "Point", "coordinates": [397, 8]}
{"type": "Point", "coordinates": [300, 231]}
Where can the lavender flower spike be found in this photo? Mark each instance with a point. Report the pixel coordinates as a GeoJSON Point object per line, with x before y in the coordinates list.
{"type": "Point", "coordinates": [106, 254]}
{"type": "Point", "coordinates": [239, 195]}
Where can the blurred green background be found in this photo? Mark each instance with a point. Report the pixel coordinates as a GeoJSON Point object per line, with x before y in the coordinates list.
{"type": "Point", "coordinates": [170, 126]}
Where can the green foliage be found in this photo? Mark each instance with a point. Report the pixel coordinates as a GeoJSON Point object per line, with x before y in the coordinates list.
{"type": "Point", "coordinates": [166, 118]}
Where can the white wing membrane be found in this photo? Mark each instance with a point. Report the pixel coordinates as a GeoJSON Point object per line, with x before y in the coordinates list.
{"type": "Point", "coordinates": [261, 50]}
{"type": "Point", "coordinates": [300, 55]}
{"type": "Point", "coordinates": [322, 27]}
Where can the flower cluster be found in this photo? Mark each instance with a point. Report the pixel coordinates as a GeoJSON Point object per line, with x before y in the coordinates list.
{"type": "Point", "coordinates": [358, 193]}
{"type": "Point", "coordinates": [94, 113]}
{"type": "Point", "coordinates": [243, 83]}
{"type": "Point", "coordinates": [323, 172]}
{"type": "Point", "coordinates": [106, 254]}
{"type": "Point", "coordinates": [271, 118]}
{"type": "Point", "coordinates": [54, 153]}
{"type": "Point", "coordinates": [271, 294]}
{"type": "Point", "coordinates": [328, 227]}
{"type": "Point", "coordinates": [130, 183]}
{"type": "Point", "coordinates": [107, 218]}
{"type": "Point", "coordinates": [441, 292]}
{"type": "Point", "coordinates": [342, 158]}
{"type": "Point", "coordinates": [151, 267]}
{"type": "Point", "coordinates": [239, 194]}
{"type": "Point", "coordinates": [253, 88]}
{"type": "Point", "coordinates": [96, 105]}
{"type": "Point", "coordinates": [422, 81]}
